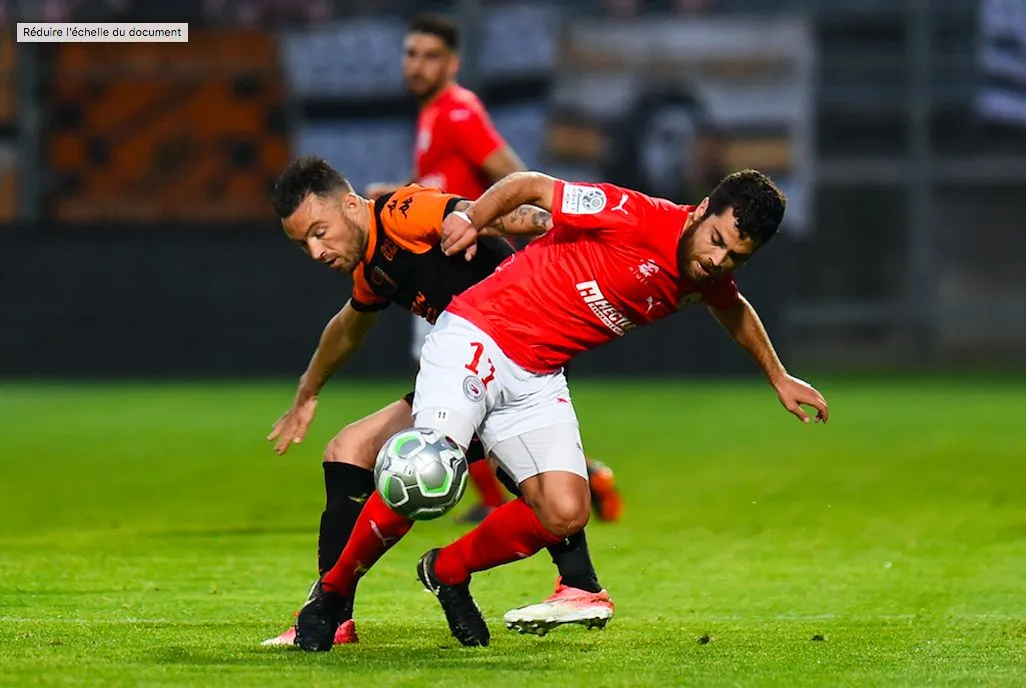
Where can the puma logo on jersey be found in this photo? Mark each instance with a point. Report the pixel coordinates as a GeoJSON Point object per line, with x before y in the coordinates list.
{"type": "Point", "coordinates": [610, 316]}
{"type": "Point", "coordinates": [620, 206]}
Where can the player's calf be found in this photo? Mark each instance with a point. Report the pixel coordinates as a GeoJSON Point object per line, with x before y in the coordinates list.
{"type": "Point", "coordinates": [348, 478]}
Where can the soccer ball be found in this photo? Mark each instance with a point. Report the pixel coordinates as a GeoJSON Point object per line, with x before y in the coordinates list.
{"type": "Point", "coordinates": [420, 473]}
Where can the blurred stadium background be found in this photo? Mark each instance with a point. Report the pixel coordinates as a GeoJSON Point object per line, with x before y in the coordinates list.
{"type": "Point", "coordinates": [148, 534]}
{"type": "Point", "coordinates": [135, 177]}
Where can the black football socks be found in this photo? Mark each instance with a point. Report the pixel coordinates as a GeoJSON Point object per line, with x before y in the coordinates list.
{"type": "Point", "coordinates": [347, 488]}
{"type": "Point", "coordinates": [573, 560]}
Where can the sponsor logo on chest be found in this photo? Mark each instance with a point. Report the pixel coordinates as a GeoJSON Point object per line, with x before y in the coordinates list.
{"type": "Point", "coordinates": [610, 316]}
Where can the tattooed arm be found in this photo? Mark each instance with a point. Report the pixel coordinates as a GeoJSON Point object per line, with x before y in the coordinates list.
{"type": "Point", "coordinates": [527, 220]}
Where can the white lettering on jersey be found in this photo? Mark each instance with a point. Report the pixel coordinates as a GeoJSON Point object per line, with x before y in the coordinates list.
{"type": "Point", "coordinates": [606, 312]}
{"type": "Point", "coordinates": [582, 200]}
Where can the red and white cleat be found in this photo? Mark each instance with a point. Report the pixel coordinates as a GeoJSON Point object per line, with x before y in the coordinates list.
{"type": "Point", "coordinates": [345, 634]}
{"type": "Point", "coordinates": [565, 606]}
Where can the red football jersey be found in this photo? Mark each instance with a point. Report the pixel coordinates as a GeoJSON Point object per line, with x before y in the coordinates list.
{"type": "Point", "coordinates": [455, 136]}
{"type": "Point", "coordinates": [608, 265]}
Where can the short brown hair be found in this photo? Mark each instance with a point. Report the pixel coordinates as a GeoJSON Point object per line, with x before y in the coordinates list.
{"type": "Point", "coordinates": [302, 177]}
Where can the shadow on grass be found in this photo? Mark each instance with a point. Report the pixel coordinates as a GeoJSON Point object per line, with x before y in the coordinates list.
{"type": "Point", "coordinates": [425, 655]}
{"type": "Point", "coordinates": [410, 647]}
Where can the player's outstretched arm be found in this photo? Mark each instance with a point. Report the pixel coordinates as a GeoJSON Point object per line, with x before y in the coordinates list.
{"type": "Point", "coordinates": [460, 230]}
{"type": "Point", "coordinates": [527, 220]}
{"type": "Point", "coordinates": [341, 338]}
{"type": "Point", "coordinates": [743, 324]}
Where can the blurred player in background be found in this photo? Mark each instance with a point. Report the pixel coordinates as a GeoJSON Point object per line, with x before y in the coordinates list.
{"type": "Point", "coordinates": [459, 151]}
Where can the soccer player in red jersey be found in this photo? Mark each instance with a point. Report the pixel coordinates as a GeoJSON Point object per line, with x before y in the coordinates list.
{"type": "Point", "coordinates": [391, 247]}
{"type": "Point", "coordinates": [613, 259]}
{"type": "Point", "coordinates": [459, 150]}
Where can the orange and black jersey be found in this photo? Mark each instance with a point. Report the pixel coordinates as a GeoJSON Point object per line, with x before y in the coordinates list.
{"type": "Point", "coordinates": [404, 263]}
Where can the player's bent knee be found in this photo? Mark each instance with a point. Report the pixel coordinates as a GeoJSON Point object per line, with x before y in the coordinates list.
{"type": "Point", "coordinates": [351, 445]}
{"type": "Point", "coordinates": [565, 514]}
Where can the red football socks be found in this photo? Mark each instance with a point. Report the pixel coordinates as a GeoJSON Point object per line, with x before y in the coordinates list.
{"type": "Point", "coordinates": [375, 531]}
{"type": "Point", "coordinates": [509, 533]}
{"type": "Point", "coordinates": [487, 484]}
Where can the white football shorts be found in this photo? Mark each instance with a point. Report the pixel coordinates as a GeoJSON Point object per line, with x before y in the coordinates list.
{"type": "Point", "coordinates": [467, 384]}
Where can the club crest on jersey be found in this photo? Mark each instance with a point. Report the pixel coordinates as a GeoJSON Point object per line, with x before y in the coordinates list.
{"type": "Point", "coordinates": [473, 388]}
{"type": "Point", "coordinates": [582, 200]}
{"type": "Point", "coordinates": [610, 316]}
{"type": "Point", "coordinates": [389, 249]}
{"type": "Point", "coordinates": [642, 271]}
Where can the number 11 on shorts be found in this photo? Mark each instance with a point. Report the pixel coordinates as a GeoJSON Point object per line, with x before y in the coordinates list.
{"type": "Point", "coordinates": [475, 362]}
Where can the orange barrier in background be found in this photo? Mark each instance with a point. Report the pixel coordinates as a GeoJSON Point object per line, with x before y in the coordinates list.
{"type": "Point", "coordinates": [147, 131]}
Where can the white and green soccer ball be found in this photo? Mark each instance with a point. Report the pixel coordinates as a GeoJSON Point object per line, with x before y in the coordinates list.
{"type": "Point", "coordinates": [420, 473]}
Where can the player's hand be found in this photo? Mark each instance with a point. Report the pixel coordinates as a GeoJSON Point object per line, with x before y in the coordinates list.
{"type": "Point", "coordinates": [377, 190]}
{"type": "Point", "coordinates": [291, 427]}
{"type": "Point", "coordinates": [459, 235]}
{"type": "Point", "coordinates": [794, 393]}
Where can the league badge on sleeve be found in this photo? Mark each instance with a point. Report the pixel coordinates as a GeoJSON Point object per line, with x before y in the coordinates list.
{"type": "Point", "coordinates": [582, 200]}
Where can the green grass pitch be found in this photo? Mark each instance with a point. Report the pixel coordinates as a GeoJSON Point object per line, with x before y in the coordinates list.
{"type": "Point", "coordinates": [149, 536]}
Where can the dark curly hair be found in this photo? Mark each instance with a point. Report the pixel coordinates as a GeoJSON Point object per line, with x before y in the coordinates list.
{"type": "Point", "coordinates": [437, 25]}
{"type": "Point", "coordinates": [302, 177]}
{"type": "Point", "coordinates": [757, 202]}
